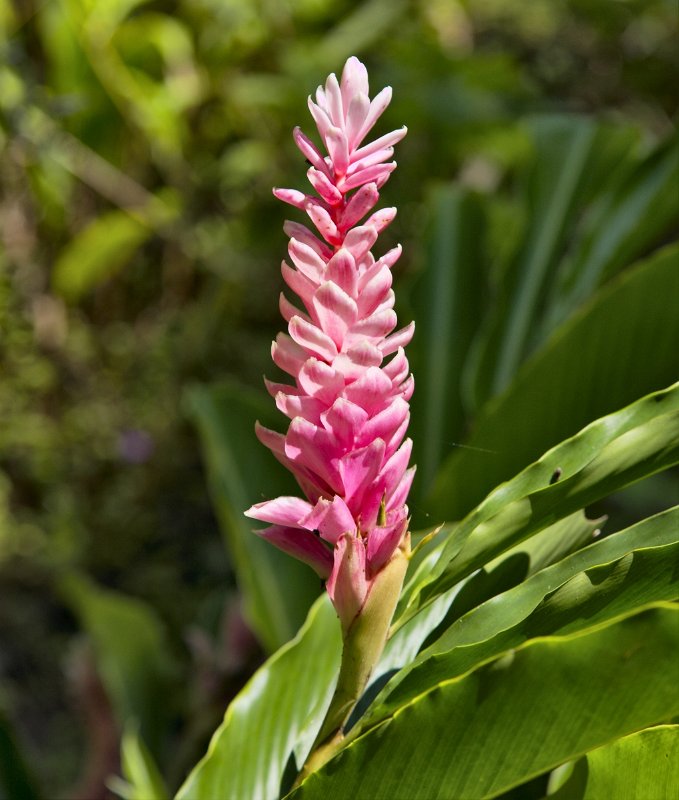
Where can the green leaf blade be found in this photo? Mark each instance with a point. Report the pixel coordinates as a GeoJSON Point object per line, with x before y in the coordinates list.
{"type": "Point", "coordinates": [596, 362]}
{"type": "Point", "coordinates": [277, 589]}
{"type": "Point", "coordinates": [607, 455]}
{"type": "Point", "coordinates": [549, 701]}
{"type": "Point", "coordinates": [611, 578]}
{"type": "Point", "coordinates": [645, 764]}
{"type": "Point", "coordinates": [98, 252]}
{"type": "Point", "coordinates": [447, 302]}
{"type": "Point", "coordinates": [132, 653]}
{"type": "Point", "coordinates": [278, 712]}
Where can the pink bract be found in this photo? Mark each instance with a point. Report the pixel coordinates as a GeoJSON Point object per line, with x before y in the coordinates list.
{"type": "Point", "coordinates": [349, 403]}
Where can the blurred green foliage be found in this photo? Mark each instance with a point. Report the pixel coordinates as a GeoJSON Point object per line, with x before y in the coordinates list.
{"type": "Point", "coordinates": [139, 245]}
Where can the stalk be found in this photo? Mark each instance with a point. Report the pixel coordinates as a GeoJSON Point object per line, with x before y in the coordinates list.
{"type": "Point", "coordinates": [363, 643]}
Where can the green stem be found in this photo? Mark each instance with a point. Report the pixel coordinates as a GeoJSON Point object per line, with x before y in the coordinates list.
{"type": "Point", "coordinates": [364, 642]}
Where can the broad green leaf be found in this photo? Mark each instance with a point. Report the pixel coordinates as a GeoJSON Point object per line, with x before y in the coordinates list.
{"type": "Point", "coordinates": [277, 589]}
{"type": "Point", "coordinates": [632, 456]}
{"type": "Point", "coordinates": [447, 303]}
{"type": "Point", "coordinates": [517, 716]}
{"type": "Point", "coordinates": [570, 142]}
{"type": "Point", "coordinates": [615, 577]}
{"type": "Point", "coordinates": [642, 765]}
{"type": "Point", "coordinates": [98, 252]}
{"type": "Point", "coordinates": [133, 657]}
{"type": "Point", "coordinates": [406, 641]}
{"type": "Point", "coordinates": [16, 782]}
{"type": "Point", "coordinates": [626, 220]}
{"type": "Point", "coordinates": [547, 547]}
{"type": "Point", "coordinates": [142, 779]}
{"type": "Point", "coordinates": [555, 542]}
{"type": "Point", "coordinates": [279, 711]}
{"type": "Point", "coordinates": [596, 362]}
{"type": "Point", "coordinates": [606, 456]}
{"type": "Point", "coordinates": [571, 152]}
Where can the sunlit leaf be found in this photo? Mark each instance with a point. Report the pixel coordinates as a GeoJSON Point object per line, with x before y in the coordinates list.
{"type": "Point", "coordinates": [609, 579]}
{"type": "Point", "coordinates": [97, 253]}
{"type": "Point", "coordinates": [278, 712]}
{"type": "Point", "coordinates": [142, 777]}
{"type": "Point", "coordinates": [596, 362]}
{"type": "Point", "coordinates": [607, 455]}
{"type": "Point", "coordinates": [540, 704]}
{"type": "Point", "coordinates": [644, 764]}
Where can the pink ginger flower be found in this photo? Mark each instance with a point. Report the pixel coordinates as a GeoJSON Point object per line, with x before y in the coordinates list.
{"type": "Point", "coordinates": [348, 406]}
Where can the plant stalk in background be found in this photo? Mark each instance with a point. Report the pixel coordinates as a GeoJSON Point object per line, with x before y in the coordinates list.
{"type": "Point", "coordinates": [348, 406]}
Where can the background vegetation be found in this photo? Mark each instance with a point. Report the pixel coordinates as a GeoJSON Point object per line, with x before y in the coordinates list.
{"type": "Point", "coordinates": [139, 246]}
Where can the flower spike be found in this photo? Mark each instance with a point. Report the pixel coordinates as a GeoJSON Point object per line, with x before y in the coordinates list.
{"type": "Point", "coordinates": [348, 407]}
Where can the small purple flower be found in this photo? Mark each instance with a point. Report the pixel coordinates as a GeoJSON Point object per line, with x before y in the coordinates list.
{"type": "Point", "coordinates": [135, 446]}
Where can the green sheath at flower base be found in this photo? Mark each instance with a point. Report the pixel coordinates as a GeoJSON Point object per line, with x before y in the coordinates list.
{"type": "Point", "coordinates": [364, 641]}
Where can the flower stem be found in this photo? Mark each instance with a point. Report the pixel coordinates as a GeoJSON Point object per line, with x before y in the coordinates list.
{"type": "Point", "coordinates": [364, 642]}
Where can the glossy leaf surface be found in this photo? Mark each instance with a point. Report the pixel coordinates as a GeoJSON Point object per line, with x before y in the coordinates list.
{"type": "Point", "coordinates": [607, 455]}
{"type": "Point", "coordinates": [612, 578]}
{"type": "Point", "coordinates": [248, 754]}
{"type": "Point", "coordinates": [471, 737]}
{"type": "Point", "coordinates": [644, 764]}
{"type": "Point", "coordinates": [596, 362]}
